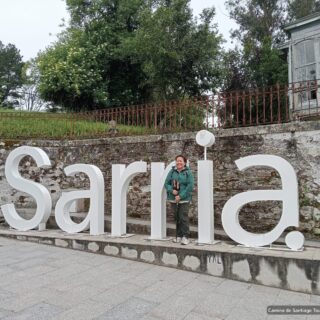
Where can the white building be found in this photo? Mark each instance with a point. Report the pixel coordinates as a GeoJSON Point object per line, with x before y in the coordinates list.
{"type": "Point", "coordinates": [304, 63]}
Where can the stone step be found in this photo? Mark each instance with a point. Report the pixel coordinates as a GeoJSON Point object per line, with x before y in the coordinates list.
{"type": "Point", "coordinates": [143, 226]}
{"type": "Point", "coordinates": [296, 271]}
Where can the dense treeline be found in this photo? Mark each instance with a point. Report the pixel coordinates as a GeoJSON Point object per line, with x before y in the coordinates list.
{"type": "Point", "coordinates": [129, 52]}
{"type": "Point", "coordinates": [123, 52]}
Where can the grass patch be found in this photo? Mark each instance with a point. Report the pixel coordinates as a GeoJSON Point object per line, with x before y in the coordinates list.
{"type": "Point", "coordinates": [48, 128]}
{"type": "Point", "coordinates": [40, 125]}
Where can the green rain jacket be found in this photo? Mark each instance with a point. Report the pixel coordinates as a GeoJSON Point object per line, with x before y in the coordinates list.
{"type": "Point", "coordinates": [185, 179]}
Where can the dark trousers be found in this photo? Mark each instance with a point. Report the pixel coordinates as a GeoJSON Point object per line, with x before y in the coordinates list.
{"type": "Point", "coordinates": [181, 217]}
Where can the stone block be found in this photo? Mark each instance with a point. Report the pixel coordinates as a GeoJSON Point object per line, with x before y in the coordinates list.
{"type": "Point", "coordinates": [268, 275]}
{"type": "Point", "coordinates": [111, 250]}
{"type": "Point", "coordinates": [129, 253]}
{"type": "Point", "coordinates": [191, 262]}
{"type": "Point", "coordinates": [169, 259]}
{"type": "Point", "coordinates": [297, 280]}
{"type": "Point", "coordinates": [316, 214]}
{"type": "Point", "coordinates": [93, 246]}
{"type": "Point", "coordinates": [147, 256]}
{"type": "Point", "coordinates": [78, 245]}
{"type": "Point", "coordinates": [241, 270]}
{"type": "Point", "coordinates": [61, 243]}
{"type": "Point", "coordinates": [214, 265]}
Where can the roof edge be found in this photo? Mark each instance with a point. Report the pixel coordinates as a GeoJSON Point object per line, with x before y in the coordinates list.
{"type": "Point", "coordinates": [302, 21]}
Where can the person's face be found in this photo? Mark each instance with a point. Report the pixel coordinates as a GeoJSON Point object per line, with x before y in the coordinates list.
{"type": "Point", "coordinates": [180, 163]}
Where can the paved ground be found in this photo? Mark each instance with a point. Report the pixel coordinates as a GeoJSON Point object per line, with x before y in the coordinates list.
{"type": "Point", "coordinates": [45, 282]}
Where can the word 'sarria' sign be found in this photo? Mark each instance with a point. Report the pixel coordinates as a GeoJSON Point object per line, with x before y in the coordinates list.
{"type": "Point", "coordinates": [121, 178]}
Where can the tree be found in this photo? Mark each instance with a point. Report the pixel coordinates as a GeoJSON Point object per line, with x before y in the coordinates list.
{"type": "Point", "coordinates": [258, 19]}
{"type": "Point", "coordinates": [120, 52]}
{"type": "Point", "coordinates": [28, 95]}
{"type": "Point", "coordinates": [179, 56]}
{"type": "Point", "coordinates": [260, 31]}
{"type": "Point", "coordinates": [10, 72]}
{"type": "Point", "coordinates": [234, 77]}
{"type": "Point", "coordinates": [256, 63]}
{"type": "Point", "coordinates": [70, 75]}
{"type": "Point", "coordinates": [298, 9]}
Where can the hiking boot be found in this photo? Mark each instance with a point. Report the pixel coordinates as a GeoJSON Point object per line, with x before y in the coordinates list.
{"type": "Point", "coordinates": [185, 241]}
{"type": "Point", "coordinates": [177, 240]}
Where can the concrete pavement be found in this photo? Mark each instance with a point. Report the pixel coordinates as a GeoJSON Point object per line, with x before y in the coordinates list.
{"type": "Point", "coordinates": [46, 282]}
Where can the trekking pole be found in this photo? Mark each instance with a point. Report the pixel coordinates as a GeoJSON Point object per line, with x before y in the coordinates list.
{"type": "Point", "coordinates": [176, 214]}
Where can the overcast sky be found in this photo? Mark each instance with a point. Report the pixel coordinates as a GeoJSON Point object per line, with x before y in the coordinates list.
{"type": "Point", "coordinates": [28, 23]}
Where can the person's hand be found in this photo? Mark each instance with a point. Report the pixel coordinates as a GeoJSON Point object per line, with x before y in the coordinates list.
{"type": "Point", "coordinates": [175, 192]}
{"type": "Point", "coordinates": [178, 198]}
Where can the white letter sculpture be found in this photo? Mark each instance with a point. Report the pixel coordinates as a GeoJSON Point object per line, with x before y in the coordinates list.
{"type": "Point", "coordinates": [95, 217]}
{"type": "Point", "coordinates": [288, 195]}
{"type": "Point", "coordinates": [158, 199]}
{"type": "Point", "coordinates": [36, 190]}
{"type": "Point", "coordinates": [205, 191]}
{"type": "Point", "coordinates": [121, 177]}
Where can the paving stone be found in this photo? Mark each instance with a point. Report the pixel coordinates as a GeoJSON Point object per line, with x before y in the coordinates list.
{"type": "Point", "coordinates": [88, 309]}
{"type": "Point", "coordinates": [5, 294]}
{"type": "Point", "coordinates": [41, 311]}
{"type": "Point", "coordinates": [214, 281]}
{"type": "Point", "coordinates": [182, 277]}
{"type": "Point", "coordinates": [160, 291]}
{"type": "Point", "coordinates": [196, 289]}
{"type": "Point", "coordinates": [5, 313]}
{"type": "Point", "coordinates": [217, 305]}
{"type": "Point", "coordinates": [132, 309]}
{"type": "Point", "coordinates": [198, 316]}
{"type": "Point", "coordinates": [150, 317]}
{"type": "Point", "coordinates": [287, 317]}
{"type": "Point", "coordinates": [247, 313]}
{"type": "Point", "coordinates": [174, 307]}
{"type": "Point", "coordinates": [9, 261]}
{"type": "Point", "coordinates": [264, 289]}
{"type": "Point", "coordinates": [152, 276]}
{"type": "Point", "coordinates": [289, 297]}
{"type": "Point", "coordinates": [4, 270]}
{"type": "Point", "coordinates": [19, 302]}
{"type": "Point", "coordinates": [314, 299]}
{"type": "Point", "coordinates": [69, 284]}
{"type": "Point", "coordinates": [72, 297]}
{"type": "Point", "coordinates": [233, 288]}
{"type": "Point", "coordinates": [118, 294]}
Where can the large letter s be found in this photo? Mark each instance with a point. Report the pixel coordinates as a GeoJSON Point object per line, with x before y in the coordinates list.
{"type": "Point", "coordinates": [36, 190]}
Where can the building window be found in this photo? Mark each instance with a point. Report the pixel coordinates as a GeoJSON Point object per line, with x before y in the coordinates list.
{"type": "Point", "coordinates": [305, 73]}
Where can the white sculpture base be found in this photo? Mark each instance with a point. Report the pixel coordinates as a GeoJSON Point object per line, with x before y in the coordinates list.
{"type": "Point", "coordinates": [127, 235]}
{"type": "Point", "coordinates": [272, 248]}
{"type": "Point", "coordinates": [207, 243]}
{"type": "Point", "coordinates": [159, 239]}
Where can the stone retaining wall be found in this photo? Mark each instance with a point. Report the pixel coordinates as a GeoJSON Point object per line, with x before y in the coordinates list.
{"type": "Point", "coordinates": [299, 143]}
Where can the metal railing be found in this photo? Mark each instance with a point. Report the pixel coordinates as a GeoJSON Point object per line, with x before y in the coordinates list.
{"type": "Point", "coordinates": [233, 109]}
{"type": "Point", "coordinates": [257, 106]}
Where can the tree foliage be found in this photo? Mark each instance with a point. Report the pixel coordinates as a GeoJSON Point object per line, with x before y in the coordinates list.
{"type": "Point", "coordinates": [120, 52]}
{"type": "Point", "coordinates": [298, 9]}
{"type": "Point", "coordinates": [70, 74]}
{"type": "Point", "coordinates": [260, 31]}
{"type": "Point", "coordinates": [258, 19]}
{"type": "Point", "coordinates": [10, 72]}
{"type": "Point", "coordinates": [180, 57]}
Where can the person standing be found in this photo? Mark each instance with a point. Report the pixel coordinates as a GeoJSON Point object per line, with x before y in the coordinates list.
{"type": "Point", "coordinates": [179, 185]}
